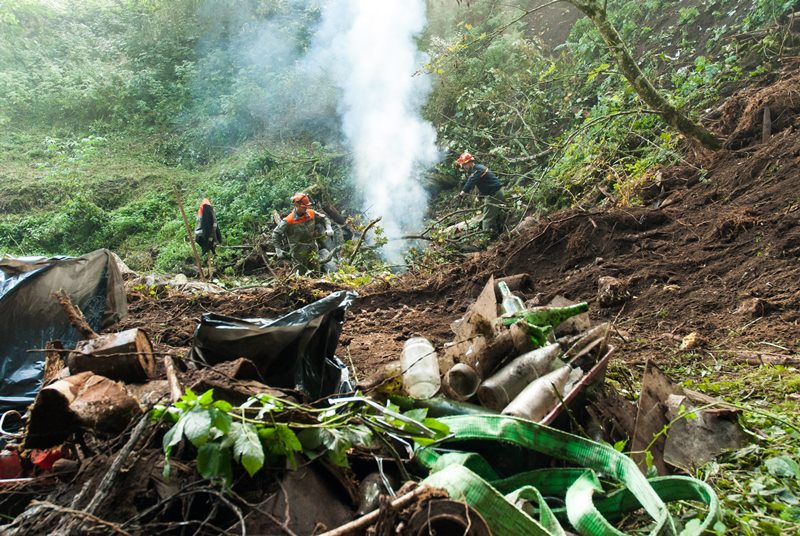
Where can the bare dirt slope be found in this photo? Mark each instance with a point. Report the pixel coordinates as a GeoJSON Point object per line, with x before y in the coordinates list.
{"type": "Point", "coordinates": [714, 251]}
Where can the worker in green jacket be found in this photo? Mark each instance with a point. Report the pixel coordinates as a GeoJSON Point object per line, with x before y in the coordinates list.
{"type": "Point", "coordinates": [489, 190]}
{"type": "Point", "coordinates": [299, 232]}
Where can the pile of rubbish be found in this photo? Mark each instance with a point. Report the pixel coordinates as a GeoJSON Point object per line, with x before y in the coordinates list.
{"type": "Point", "coordinates": [258, 428]}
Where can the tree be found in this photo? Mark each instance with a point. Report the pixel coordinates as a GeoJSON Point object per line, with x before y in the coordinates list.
{"type": "Point", "coordinates": [596, 11]}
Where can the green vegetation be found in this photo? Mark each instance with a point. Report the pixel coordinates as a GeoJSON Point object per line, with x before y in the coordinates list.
{"type": "Point", "coordinates": [269, 431]}
{"type": "Point", "coordinates": [104, 106]}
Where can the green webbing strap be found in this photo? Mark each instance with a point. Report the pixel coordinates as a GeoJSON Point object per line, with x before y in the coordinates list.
{"type": "Point", "coordinates": [581, 485]}
{"type": "Point", "coordinates": [546, 516]}
{"type": "Point", "coordinates": [474, 462]}
{"type": "Point", "coordinates": [553, 482]}
{"type": "Point", "coordinates": [501, 516]}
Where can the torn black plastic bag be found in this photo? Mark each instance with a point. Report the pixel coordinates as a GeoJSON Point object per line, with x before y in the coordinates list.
{"type": "Point", "coordinates": [30, 316]}
{"type": "Point", "coordinates": [295, 351]}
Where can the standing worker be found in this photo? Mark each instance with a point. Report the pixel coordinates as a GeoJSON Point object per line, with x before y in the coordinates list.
{"type": "Point", "coordinates": [206, 230]}
{"type": "Point", "coordinates": [488, 189]}
{"type": "Point", "coordinates": [300, 231]}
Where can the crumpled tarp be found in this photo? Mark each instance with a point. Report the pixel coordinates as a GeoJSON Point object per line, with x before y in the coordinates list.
{"type": "Point", "coordinates": [31, 316]}
{"type": "Point", "coordinates": [295, 351]}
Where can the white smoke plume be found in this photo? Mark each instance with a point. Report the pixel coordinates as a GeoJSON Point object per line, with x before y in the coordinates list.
{"type": "Point", "coordinates": [295, 70]}
{"type": "Point", "coordinates": [371, 48]}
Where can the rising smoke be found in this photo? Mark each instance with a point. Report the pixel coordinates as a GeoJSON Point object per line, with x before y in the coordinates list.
{"type": "Point", "coordinates": [336, 69]}
{"type": "Point", "coordinates": [372, 50]}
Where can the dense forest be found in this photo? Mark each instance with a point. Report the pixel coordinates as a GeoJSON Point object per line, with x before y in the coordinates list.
{"type": "Point", "coordinates": [653, 141]}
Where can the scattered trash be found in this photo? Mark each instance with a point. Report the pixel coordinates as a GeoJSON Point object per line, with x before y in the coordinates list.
{"type": "Point", "coordinates": [420, 368]}
{"type": "Point", "coordinates": [265, 412]}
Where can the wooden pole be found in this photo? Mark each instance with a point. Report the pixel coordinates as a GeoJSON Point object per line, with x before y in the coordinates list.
{"type": "Point", "coordinates": [189, 234]}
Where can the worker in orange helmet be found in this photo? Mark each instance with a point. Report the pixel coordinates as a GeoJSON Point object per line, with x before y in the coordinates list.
{"type": "Point", "coordinates": [299, 232]}
{"type": "Point", "coordinates": [206, 231]}
{"type": "Point", "coordinates": [489, 189]}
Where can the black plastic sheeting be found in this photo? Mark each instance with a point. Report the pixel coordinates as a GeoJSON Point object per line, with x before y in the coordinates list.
{"type": "Point", "coordinates": [30, 316]}
{"type": "Point", "coordinates": [295, 351]}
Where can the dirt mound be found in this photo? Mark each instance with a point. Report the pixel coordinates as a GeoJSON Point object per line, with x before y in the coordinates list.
{"type": "Point", "coordinates": [775, 108]}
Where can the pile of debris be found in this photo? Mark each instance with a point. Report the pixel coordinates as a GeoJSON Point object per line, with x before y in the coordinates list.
{"type": "Point", "coordinates": [265, 413]}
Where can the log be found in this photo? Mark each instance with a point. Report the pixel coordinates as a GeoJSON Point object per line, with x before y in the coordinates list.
{"type": "Point", "coordinates": [82, 401]}
{"type": "Point", "coordinates": [125, 356]}
{"type": "Point", "coordinates": [104, 406]}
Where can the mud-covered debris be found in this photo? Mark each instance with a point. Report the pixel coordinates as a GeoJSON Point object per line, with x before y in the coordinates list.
{"type": "Point", "coordinates": [611, 291]}
{"type": "Point", "coordinates": [754, 308]}
{"type": "Point", "coordinates": [692, 341]}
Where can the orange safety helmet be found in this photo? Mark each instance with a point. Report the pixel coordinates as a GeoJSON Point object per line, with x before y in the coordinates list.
{"type": "Point", "coordinates": [301, 199]}
{"type": "Point", "coordinates": [464, 158]}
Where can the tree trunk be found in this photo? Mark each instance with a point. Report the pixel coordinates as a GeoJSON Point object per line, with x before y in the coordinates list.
{"type": "Point", "coordinates": [125, 356]}
{"type": "Point", "coordinates": [85, 401]}
{"type": "Point", "coordinates": [671, 115]}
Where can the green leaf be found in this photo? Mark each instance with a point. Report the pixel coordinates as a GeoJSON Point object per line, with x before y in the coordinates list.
{"type": "Point", "coordinates": [783, 466]}
{"type": "Point", "coordinates": [620, 445]}
{"type": "Point", "coordinates": [223, 405]}
{"type": "Point", "coordinates": [174, 435]}
{"type": "Point", "coordinates": [282, 441]}
{"type": "Point", "coordinates": [441, 429]}
{"type": "Point", "coordinates": [417, 414]}
{"type": "Point", "coordinates": [247, 447]}
{"type": "Point", "coordinates": [206, 398]}
{"type": "Point", "coordinates": [719, 528]}
{"type": "Point", "coordinates": [214, 461]}
{"type": "Point", "coordinates": [221, 421]}
{"type": "Point", "coordinates": [157, 412]}
{"type": "Point", "coordinates": [310, 438]}
{"type": "Point", "coordinates": [197, 425]}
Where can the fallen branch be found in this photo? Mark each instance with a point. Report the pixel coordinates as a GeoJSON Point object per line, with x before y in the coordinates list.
{"type": "Point", "coordinates": [370, 518]}
{"type": "Point", "coordinates": [74, 315]}
{"type": "Point", "coordinates": [109, 479]}
{"type": "Point", "coordinates": [174, 385]}
{"type": "Point", "coordinates": [361, 238]}
{"type": "Point", "coordinates": [116, 529]}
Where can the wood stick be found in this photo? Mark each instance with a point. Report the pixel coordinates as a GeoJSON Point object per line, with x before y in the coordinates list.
{"type": "Point", "coordinates": [189, 234]}
{"type": "Point", "coordinates": [361, 238]}
{"type": "Point", "coordinates": [110, 477]}
{"type": "Point", "coordinates": [368, 519]}
{"type": "Point", "coordinates": [766, 127]}
{"type": "Point", "coordinates": [74, 315]}
{"type": "Point", "coordinates": [174, 385]}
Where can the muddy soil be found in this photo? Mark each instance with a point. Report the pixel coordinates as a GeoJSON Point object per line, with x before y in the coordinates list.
{"type": "Point", "coordinates": [714, 250]}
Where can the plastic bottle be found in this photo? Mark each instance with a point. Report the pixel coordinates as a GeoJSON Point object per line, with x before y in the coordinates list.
{"type": "Point", "coordinates": [538, 398]}
{"type": "Point", "coordinates": [501, 388]}
{"type": "Point", "coordinates": [510, 304]}
{"type": "Point", "coordinates": [420, 368]}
